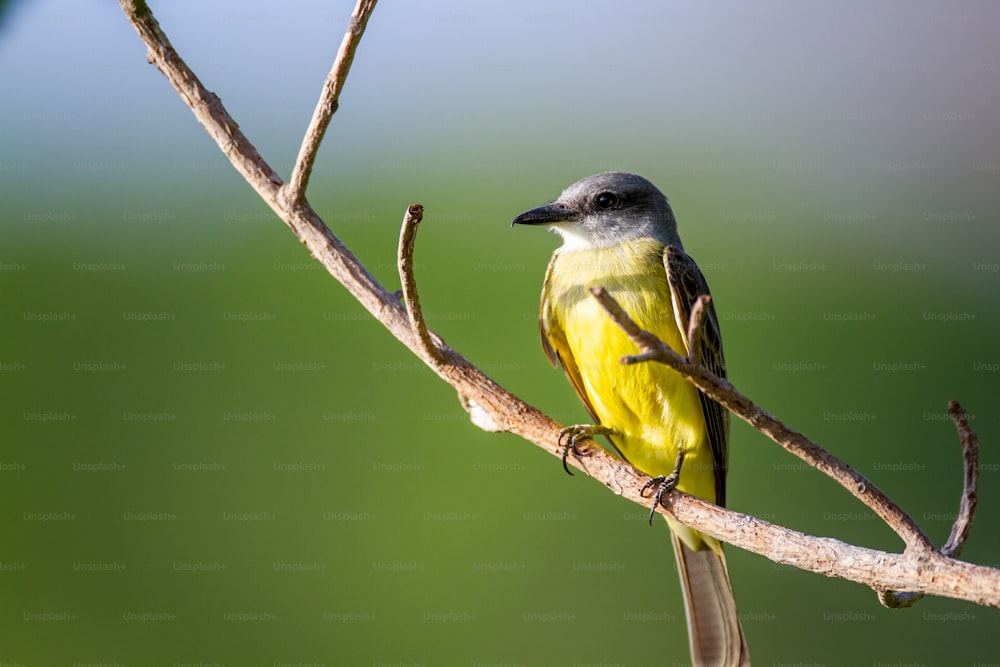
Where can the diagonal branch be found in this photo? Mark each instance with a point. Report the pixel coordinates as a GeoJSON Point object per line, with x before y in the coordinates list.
{"type": "Point", "coordinates": [722, 391]}
{"type": "Point", "coordinates": [302, 220]}
{"type": "Point", "coordinates": [725, 393]}
{"type": "Point", "coordinates": [493, 408]}
{"type": "Point", "coordinates": [206, 105]}
{"type": "Point", "coordinates": [329, 100]}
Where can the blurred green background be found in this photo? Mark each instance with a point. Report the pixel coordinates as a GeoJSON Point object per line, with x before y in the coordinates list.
{"type": "Point", "coordinates": [212, 455]}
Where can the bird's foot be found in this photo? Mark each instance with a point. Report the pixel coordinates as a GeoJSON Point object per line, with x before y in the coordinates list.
{"type": "Point", "coordinates": [664, 484]}
{"type": "Point", "coordinates": [571, 437]}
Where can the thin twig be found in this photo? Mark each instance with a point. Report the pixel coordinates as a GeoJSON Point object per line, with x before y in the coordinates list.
{"type": "Point", "coordinates": [725, 394]}
{"type": "Point", "coordinates": [407, 237]}
{"type": "Point", "coordinates": [967, 506]}
{"type": "Point", "coordinates": [698, 313]}
{"type": "Point", "coordinates": [329, 100]}
{"type": "Point", "coordinates": [644, 339]}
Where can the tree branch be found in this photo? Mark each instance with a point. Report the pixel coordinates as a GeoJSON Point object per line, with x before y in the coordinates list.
{"type": "Point", "coordinates": [719, 389]}
{"type": "Point", "coordinates": [329, 100]}
{"type": "Point", "coordinates": [722, 391]}
{"type": "Point", "coordinates": [206, 105]}
{"type": "Point", "coordinates": [428, 351]}
{"type": "Point", "coordinates": [918, 569]}
{"type": "Point", "coordinates": [967, 506]}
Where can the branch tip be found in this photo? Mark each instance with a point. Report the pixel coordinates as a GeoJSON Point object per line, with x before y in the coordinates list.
{"type": "Point", "coordinates": [699, 311]}
{"type": "Point", "coordinates": [970, 481]}
{"type": "Point", "coordinates": [411, 298]}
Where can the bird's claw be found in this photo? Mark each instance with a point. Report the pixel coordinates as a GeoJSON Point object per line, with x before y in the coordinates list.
{"type": "Point", "coordinates": [571, 437]}
{"type": "Point", "coordinates": [664, 484]}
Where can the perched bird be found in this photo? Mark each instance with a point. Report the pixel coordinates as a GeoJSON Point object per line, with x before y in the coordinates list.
{"type": "Point", "coordinates": [619, 232]}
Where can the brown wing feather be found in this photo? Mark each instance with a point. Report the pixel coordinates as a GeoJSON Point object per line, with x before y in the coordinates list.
{"type": "Point", "coordinates": [686, 285]}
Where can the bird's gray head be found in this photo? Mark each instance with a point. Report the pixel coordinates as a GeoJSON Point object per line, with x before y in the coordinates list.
{"type": "Point", "coordinates": [605, 210]}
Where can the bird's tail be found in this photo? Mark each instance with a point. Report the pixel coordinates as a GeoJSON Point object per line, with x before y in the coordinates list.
{"type": "Point", "coordinates": [714, 629]}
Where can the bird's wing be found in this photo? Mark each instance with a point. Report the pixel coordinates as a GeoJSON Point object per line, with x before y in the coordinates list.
{"type": "Point", "coordinates": [686, 285]}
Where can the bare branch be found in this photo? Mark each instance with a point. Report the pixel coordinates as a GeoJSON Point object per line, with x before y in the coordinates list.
{"type": "Point", "coordinates": [302, 220]}
{"type": "Point", "coordinates": [931, 572]}
{"type": "Point", "coordinates": [724, 393]}
{"type": "Point", "coordinates": [644, 339]}
{"type": "Point", "coordinates": [967, 506]}
{"type": "Point", "coordinates": [918, 569]}
{"type": "Point", "coordinates": [206, 105]}
{"type": "Point", "coordinates": [428, 351]}
{"type": "Point", "coordinates": [492, 407]}
{"type": "Point", "coordinates": [329, 100]}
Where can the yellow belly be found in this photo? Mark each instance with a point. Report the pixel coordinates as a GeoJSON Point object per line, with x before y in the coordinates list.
{"type": "Point", "coordinates": [653, 410]}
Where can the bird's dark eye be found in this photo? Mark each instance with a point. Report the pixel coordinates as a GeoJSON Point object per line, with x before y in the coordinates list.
{"type": "Point", "coordinates": [606, 200]}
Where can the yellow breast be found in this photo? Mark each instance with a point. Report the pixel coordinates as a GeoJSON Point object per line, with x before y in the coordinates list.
{"type": "Point", "coordinates": [652, 408]}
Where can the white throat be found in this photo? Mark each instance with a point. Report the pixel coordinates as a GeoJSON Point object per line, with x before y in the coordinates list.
{"type": "Point", "coordinates": [573, 237]}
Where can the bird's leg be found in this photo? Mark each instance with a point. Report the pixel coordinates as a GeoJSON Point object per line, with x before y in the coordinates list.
{"type": "Point", "coordinates": [664, 484]}
{"type": "Point", "coordinates": [573, 435]}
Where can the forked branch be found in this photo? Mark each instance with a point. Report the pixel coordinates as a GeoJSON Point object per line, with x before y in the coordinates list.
{"type": "Point", "coordinates": [919, 570]}
{"type": "Point", "coordinates": [723, 392]}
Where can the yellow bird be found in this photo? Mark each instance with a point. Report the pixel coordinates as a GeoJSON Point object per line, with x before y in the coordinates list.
{"type": "Point", "coordinates": [619, 232]}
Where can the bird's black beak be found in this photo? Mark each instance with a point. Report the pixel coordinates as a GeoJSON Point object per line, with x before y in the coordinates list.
{"type": "Point", "coordinates": [547, 215]}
